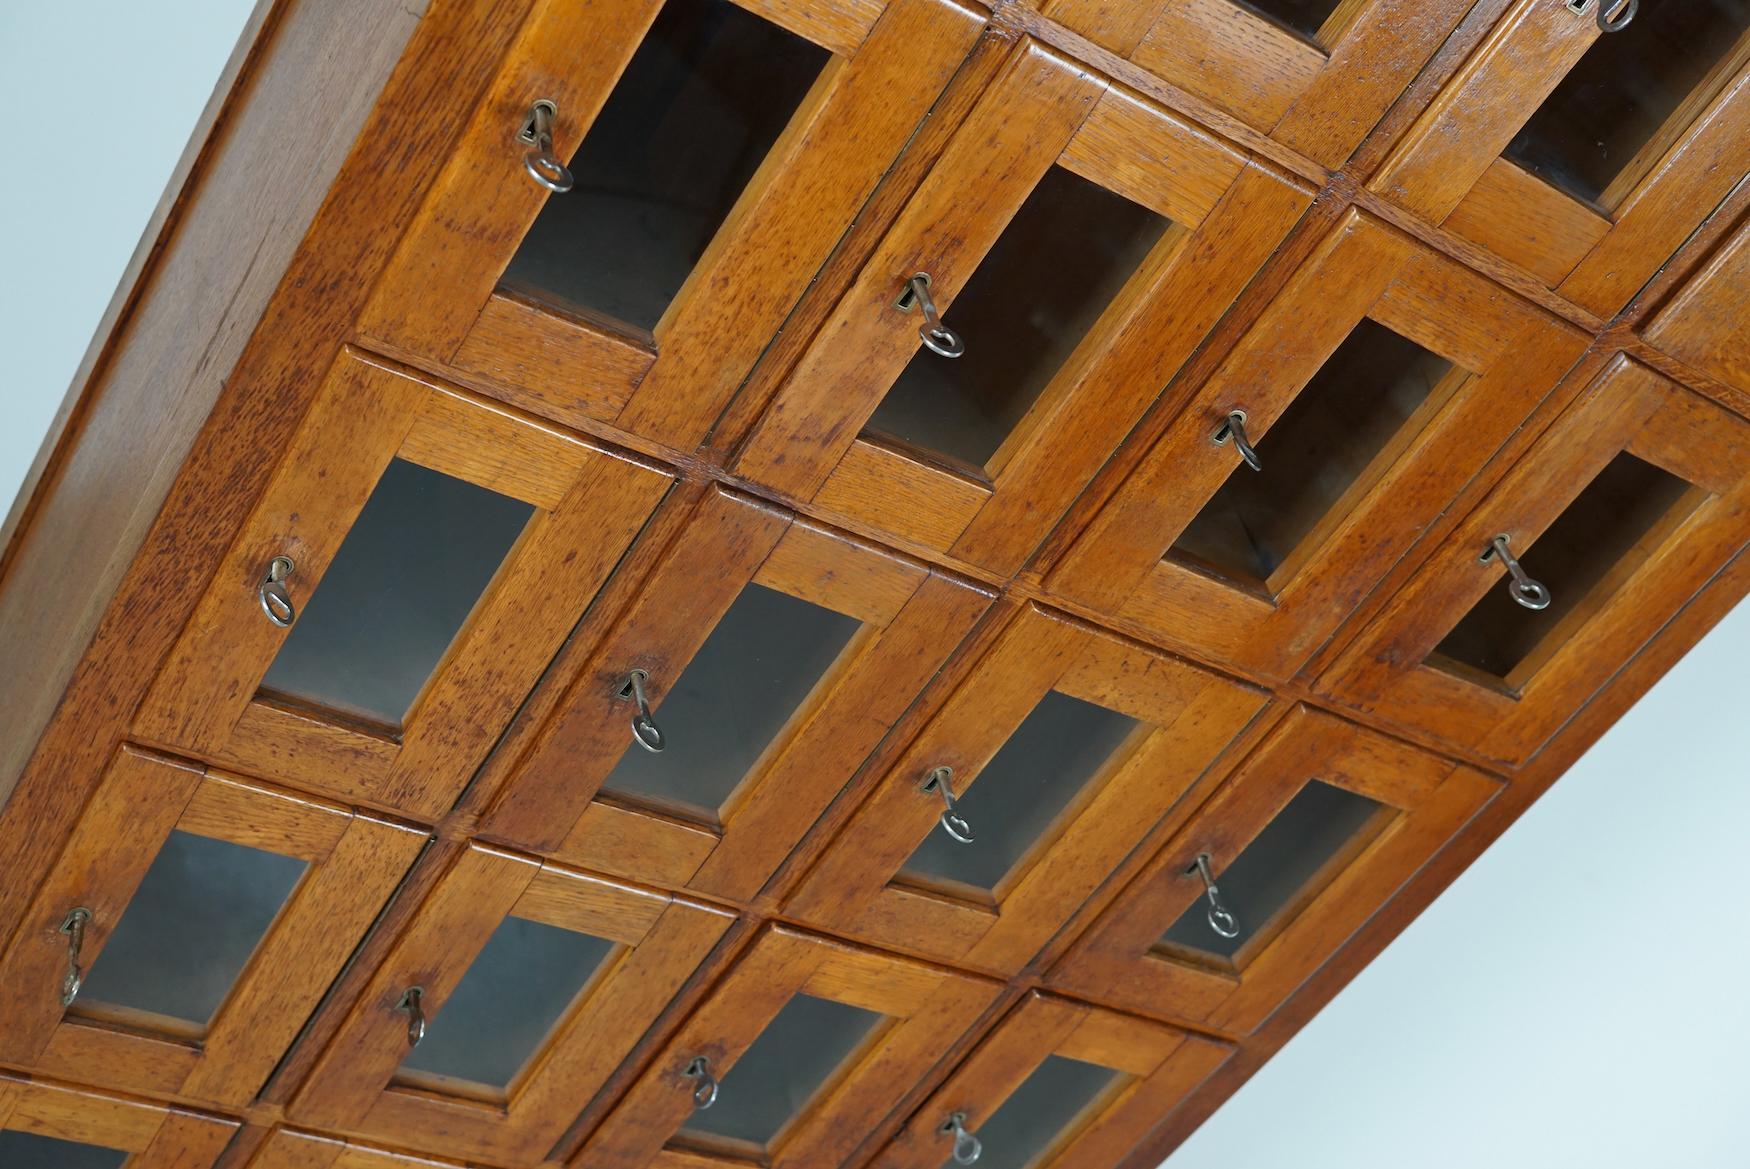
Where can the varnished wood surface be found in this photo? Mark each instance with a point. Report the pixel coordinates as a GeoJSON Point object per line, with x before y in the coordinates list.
{"type": "Point", "coordinates": [1315, 180]}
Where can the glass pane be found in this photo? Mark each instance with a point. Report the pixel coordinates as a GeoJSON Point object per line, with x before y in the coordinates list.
{"type": "Point", "coordinates": [1045, 1107]}
{"type": "Point", "coordinates": [759, 664]}
{"type": "Point", "coordinates": [1068, 251]}
{"type": "Point", "coordinates": [1305, 17]}
{"type": "Point", "coordinates": [404, 581]}
{"type": "Point", "coordinates": [1620, 94]}
{"type": "Point", "coordinates": [1359, 400]}
{"type": "Point", "coordinates": [706, 95]}
{"type": "Point", "coordinates": [202, 908]}
{"type": "Point", "coordinates": [508, 1002]}
{"type": "Point", "coordinates": [791, 1061]}
{"type": "Point", "coordinates": [1593, 536]}
{"type": "Point", "coordinates": [1275, 868]}
{"type": "Point", "coordinates": [1028, 783]}
{"type": "Point", "coordinates": [25, 1150]}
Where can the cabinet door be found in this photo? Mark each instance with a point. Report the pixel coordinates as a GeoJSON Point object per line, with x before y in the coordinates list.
{"type": "Point", "coordinates": [1704, 323]}
{"type": "Point", "coordinates": [458, 544]}
{"type": "Point", "coordinates": [774, 654]}
{"type": "Point", "coordinates": [46, 1127]}
{"type": "Point", "coordinates": [1049, 764]}
{"type": "Point", "coordinates": [188, 929]}
{"type": "Point", "coordinates": [1584, 157]}
{"type": "Point", "coordinates": [1057, 1085]}
{"type": "Point", "coordinates": [1300, 846]}
{"type": "Point", "coordinates": [1620, 512]}
{"type": "Point", "coordinates": [803, 1049]}
{"type": "Point", "coordinates": [1077, 243]}
{"type": "Point", "coordinates": [511, 996]}
{"type": "Point", "coordinates": [1380, 380]}
{"type": "Point", "coordinates": [717, 151]}
{"type": "Point", "coordinates": [1316, 75]}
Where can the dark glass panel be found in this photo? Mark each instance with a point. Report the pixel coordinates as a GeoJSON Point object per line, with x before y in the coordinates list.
{"type": "Point", "coordinates": [1028, 783]}
{"type": "Point", "coordinates": [1275, 868]}
{"type": "Point", "coordinates": [697, 110]}
{"type": "Point", "coordinates": [1597, 531]}
{"type": "Point", "coordinates": [755, 669]}
{"type": "Point", "coordinates": [26, 1150]}
{"type": "Point", "coordinates": [1057, 265]}
{"type": "Point", "coordinates": [508, 1001]}
{"type": "Point", "coordinates": [202, 908]}
{"type": "Point", "coordinates": [1620, 94]}
{"type": "Point", "coordinates": [791, 1061]}
{"type": "Point", "coordinates": [1040, 1112]}
{"type": "Point", "coordinates": [1349, 412]}
{"type": "Point", "coordinates": [405, 580]}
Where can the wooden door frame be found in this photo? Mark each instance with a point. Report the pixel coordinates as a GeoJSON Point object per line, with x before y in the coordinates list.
{"type": "Point", "coordinates": [1228, 214]}
{"type": "Point", "coordinates": [590, 503]}
{"type": "Point", "coordinates": [928, 1009]}
{"type": "Point", "coordinates": [1626, 408]}
{"type": "Point", "coordinates": [354, 864]}
{"type": "Point", "coordinates": [1425, 800]}
{"type": "Point", "coordinates": [1449, 169]}
{"type": "Point", "coordinates": [1188, 717]}
{"type": "Point", "coordinates": [155, 1136]}
{"type": "Point", "coordinates": [1161, 1066]}
{"type": "Point", "coordinates": [1516, 354]}
{"type": "Point", "coordinates": [913, 617]}
{"type": "Point", "coordinates": [662, 941]}
{"type": "Point", "coordinates": [441, 299]}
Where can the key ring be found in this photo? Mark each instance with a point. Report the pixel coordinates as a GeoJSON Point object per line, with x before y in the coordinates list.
{"type": "Point", "coordinates": [937, 337]}
{"type": "Point", "coordinates": [1221, 918]}
{"type": "Point", "coordinates": [542, 164]}
{"type": "Point", "coordinates": [705, 1092]}
{"type": "Point", "coordinates": [276, 599]}
{"type": "Point", "coordinates": [967, 1147]}
{"type": "Point", "coordinates": [953, 823]}
{"type": "Point", "coordinates": [645, 732]}
{"type": "Point", "coordinates": [1527, 592]}
{"type": "Point", "coordinates": [1235, 428]}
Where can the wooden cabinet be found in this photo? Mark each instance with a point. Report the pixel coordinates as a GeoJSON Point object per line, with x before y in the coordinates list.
{"type": "Point", "coordinates": [1057, 1084]}
{"type": "Point", "coordinates": [1314, 76]}
{"type": "Point", "coordinates": [1375, 386]}
{"type": "Point", "coordinates": [1077, 243]}
{"type": "Point", "coordinates": [806, 584]}
{"type": "Point", "coordinates": [46, 1126]}
{"type": "Point", "coordinates": [1048, 765]}
{"type": "Point", "coordinates": [716, 151]}
{"type": "Point", "coordinates": [1301, 844]}
{"type": "Point", "coordinates": [1703, 325]}
{"type": "Point", "coordinates": [1622, 510]}
{"type": "Point", "coordinates": [503, 1007]}
{"type": "Point", "coordinates": [772, 654]}
{"type": "Point", "coordinates": [794, 1058]}
{"type": "Point", "coordinates": [189, 928]}
{"type": "Point", "coordinates": [459, 542]}
{"type": "Point", "coordinates": [1583, 157]}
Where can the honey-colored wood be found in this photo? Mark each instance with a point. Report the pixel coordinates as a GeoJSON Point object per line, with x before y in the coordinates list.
{"type": "Point", "coordinates": [746, 411]}
{"type": "Point", "coordinates": [1228, 214]}
{"type": "Point", "coordinates": [1318, 94]}
{"type": "Point", "coordinates": [354, 863]}
{"type": "Point", "coordinates": [1156, 1065]}
{"type": "Point", "coordinates": [1703, 324]}
{"type": "Point", "coordinates": [911, 620]}
{"type": "Point", "coordinates": [156, 1137]}
{"type": "Point", "coordinates": [889, 61]}
{"type": "Point", "coordinates": [1628, 408]}
{"type": "Point", "coordinates": [355, 1086]}
{"type": "Point", "coordinates": [1508, 355]}
{"type": "Point", "coordinates": [1424, 798]}
{"type": "Point", "coordinates": [589, 502]}
{"type": "Point", "coordinates": [928, 1008]}
{"type": "Point", "coordinates": [1186, 718]}
{"type": "Point", "coordinates": [1448, 168]}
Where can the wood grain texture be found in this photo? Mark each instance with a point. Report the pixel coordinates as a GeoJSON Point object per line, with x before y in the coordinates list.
{"type": "Point", "coordinates": [1426, 799]}
{"type": "Point", "coordinates": [1703, 323]}
{"type": "Point", "coordinates": [1388, 670]}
